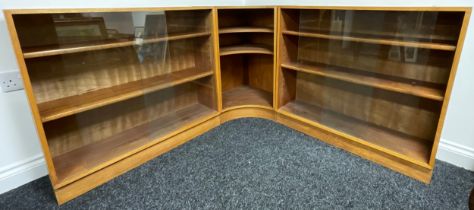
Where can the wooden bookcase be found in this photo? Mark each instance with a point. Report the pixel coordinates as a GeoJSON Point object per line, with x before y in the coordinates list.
{"type": "Point", "coordinates": [380, 78]}
{"type": "Point", "coordinates": [246, 49]}
{"type": "Point", "coordinates": [111, 89]}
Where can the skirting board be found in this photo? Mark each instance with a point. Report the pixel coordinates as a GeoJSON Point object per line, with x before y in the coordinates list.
{"type": "Point", "coordinates": [456, 154]}
{"type": "Point", "coordinates": [20, 173]}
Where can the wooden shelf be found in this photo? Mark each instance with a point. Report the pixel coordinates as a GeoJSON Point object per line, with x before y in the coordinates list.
{"type": "Point", "coordinates": [409, 148]}
{"type": "Point", "coordinates": [63, 107]}
{"type": "Point", "coordinates": [386, 34]}
{"type": "Point", "coordinates": [245, 49]}
{"type": "Point", "coordinates": [67, 49]}
{"type": "Point", "coordinates": [78, 163]}
{"type": "Point", "coordinates": [345, 74]}
{"type": "Point", "coordinates": [249, 29]}
{"type": "Point", "coordinates": [425, 45]}
{"type": "Point", "coordinates": [245, 95]}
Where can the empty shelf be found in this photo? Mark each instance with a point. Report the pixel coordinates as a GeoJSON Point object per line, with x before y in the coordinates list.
{"type": "Point", "coordinates": [67, 49]}
{"type": "Point", "coordinates": [346, 75]}
{"type": "Point", "coordinates": [246, 95]}
{"type": "Point", "coordinates": [63, 107]}
{"type": "Point", "coordinates": [426, 45]}
{"type": "Point", "coordinates": [410, 148]}
{"type": "Point", "coordinates": [245, 30]}
{"type": "Point", "coordinates": [245, 49]}
{"type": "Point", "coordinates": [90, 158]}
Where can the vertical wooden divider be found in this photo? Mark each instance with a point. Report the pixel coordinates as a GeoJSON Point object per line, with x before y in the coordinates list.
{"type": "Point", "coordinates": [217, 59]}
{"type": "Point", "coordinates": [276, 60]}
{"type": "Point", "coordinates": [31, 98]}
{"type": "Point", "coordinates": [449, 87]}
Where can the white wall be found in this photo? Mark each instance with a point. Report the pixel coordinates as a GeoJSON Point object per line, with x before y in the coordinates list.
{"type": "Point", "coordinates": [21, 158]}
{"type": "Point", "coordinates": [20, 155]}
{"type": "Point", "coordinates": [457, 140]}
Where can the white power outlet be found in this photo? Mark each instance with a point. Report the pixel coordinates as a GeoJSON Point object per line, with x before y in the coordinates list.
{"type": "Point", "coordinates": [11, 81]}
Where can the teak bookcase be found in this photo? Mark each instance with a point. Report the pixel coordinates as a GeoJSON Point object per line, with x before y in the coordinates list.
{"type": "Point", "coordinates": [110, 89]}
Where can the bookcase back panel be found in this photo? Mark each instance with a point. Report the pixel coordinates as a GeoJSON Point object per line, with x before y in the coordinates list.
{"type": "Point", "coordinates": [409, 115]}
{"type": "Point", "coordinates": [76, 131]}
{"type": "Point", "coordinates": [259, 39]}
{"type": "Point", "coordinates": [260, 68]}
{"type": "Point", "coordinates": [427, 66]}
{"type": "Point", "coordinates": [37, 31]}
{"type": "Point", "coordinates": [68, 75]}
{"type": "Point", "coordinates": [88, 140]}
{"type": "Point", "coordinates": [246, 17]}
{"type": "Point", "coordinates": [427, 26]}
{"type": "Point", "coordinates": [233, 71]}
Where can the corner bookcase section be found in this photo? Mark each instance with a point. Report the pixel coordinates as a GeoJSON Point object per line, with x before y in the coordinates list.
{"type": "Point", "coordinates": [246, 42]}
{"type": "Point", "coordinates": [111, 89]}
{"type": "Point", "coordinates": [378, 77]}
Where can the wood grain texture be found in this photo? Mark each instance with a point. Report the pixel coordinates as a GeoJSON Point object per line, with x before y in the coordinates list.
{"type": "Point", "coordinates": [449, 86]}
{"type": "Point", "coordinates": [276, 63]}
{"type": "Point", "coordinates": [87, 159]}
{"type": "Point", "coordinates": [372, 8]}
{"type": "Point", "coordinates": [124, 9]}
{"type": "Point", "coordinates": [430, 66]}
{"type": "Point", "coordinates": [216, 58]}
{"type": "Point", "coordinates": [370, 80]}
{"type": "Point", "coordinates": [243, 17]}
{"type": "Point", "coordinates": [245, 95]}
{"type": "Point", "coordinates": [30, 96]}
{"type": "Point", "coordinates": [245, 29]}
{"type": "Point", "coordinates": [76, 74]}
{"type": "Point", "coordinates": [412, 148]}
{"type": "Point", "coordinates": [35, 53]}
{"type": "Point", "coordinates": [247, 111]}
{"type": "Point", "coordinates": [260, 72]}
{"type": "Point", "coordinates": [413, 116]}
{"type": "Point", "coordinates": [246, 49]}
{"type": "Point", "coordinates": [63, 107]}
{"type": "Point", "coordinates": [424, 26]}
{"type": "Point", "coordinates": [233, 71]}
{"type": "Point", "coordinates": [432, 46]}
{"type": "Point", "coordinates": [70, 133]}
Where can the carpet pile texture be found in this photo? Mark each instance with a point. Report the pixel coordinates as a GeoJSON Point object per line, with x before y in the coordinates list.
{"type": "Point", "coordinates": [256, 163]}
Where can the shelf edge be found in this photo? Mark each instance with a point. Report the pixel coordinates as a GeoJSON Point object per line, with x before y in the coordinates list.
{"type": "Point", "coordinates": [86, 48]}
{"type": "Point", "coordinates": [365, 83]}
{"type": "Point", "coordinates": [433, 46]}
{"type": "Point", "coordinates": [123, 97]}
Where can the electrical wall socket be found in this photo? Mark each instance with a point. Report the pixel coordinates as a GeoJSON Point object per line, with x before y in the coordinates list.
{"type": "Point", "coordinates": [11, 81]}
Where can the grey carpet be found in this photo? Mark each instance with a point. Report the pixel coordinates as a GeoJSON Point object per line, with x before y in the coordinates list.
{"type": "Point", "coordinates": [255, 163]}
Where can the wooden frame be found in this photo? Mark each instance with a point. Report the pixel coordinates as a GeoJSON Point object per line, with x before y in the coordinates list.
{"type": "Point", "coordinates": [420, 170]}
{"type": "Point", "coordinates": [81, 183]}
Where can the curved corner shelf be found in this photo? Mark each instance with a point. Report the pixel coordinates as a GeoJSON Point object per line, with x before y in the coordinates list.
{"type": "Point", "coordinates": [246, 96]}
{"type": "Point", "coordinates": [245, 49]}
{"type": "Point", "coordinates": [344, 74]}
{"type": "Point", "coordinates": [68, 49]}
{"type": "Point", "coordinates": [425, 45]}
{"type": "Point", "coordinates": [244, 29]}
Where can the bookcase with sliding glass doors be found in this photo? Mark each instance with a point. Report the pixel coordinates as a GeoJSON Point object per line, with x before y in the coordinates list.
{"type": "Point", "coordinates": [379, 78]}
{"type": "Point", "coordinates": [106, 85]}
{"type": "Point", "coordinates": [111, 89]}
